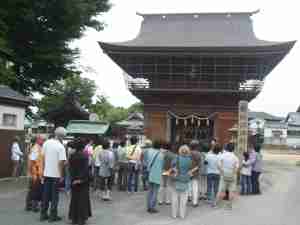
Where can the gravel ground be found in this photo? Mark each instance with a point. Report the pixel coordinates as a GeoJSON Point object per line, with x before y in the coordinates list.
{"type": "Point", "coordinates": [278, 205]}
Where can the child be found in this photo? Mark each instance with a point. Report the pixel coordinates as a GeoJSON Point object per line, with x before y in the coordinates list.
{"type": "Point", "coordinates": [246, 175]}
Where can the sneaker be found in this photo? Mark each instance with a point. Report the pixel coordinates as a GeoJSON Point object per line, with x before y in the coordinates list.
{"type": "Point", "coordinates": [55, 219]}
{"type": "Point", "coordinates": [153, 211]}
{"type": "Point", "coordinates": [168, 203]}
{"type": "Point", "coordinates": [28, 209]}
{"type": "Point", "coordinates": [36, 209]}
{"type": "Point", "coordinates": [44, 218]}
{"type": "Point", "coordinates": [160, 203]}
{"type": "Point", "coordinates": [228, 206]}
{"type": "Point", "coordinates": [214, 205]}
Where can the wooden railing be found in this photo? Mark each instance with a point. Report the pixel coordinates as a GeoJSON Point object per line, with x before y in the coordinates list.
{"type": "Point", "coordinates": [249, 86]}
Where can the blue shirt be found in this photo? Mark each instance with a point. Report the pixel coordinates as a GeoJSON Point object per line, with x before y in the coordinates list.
{"type": "Point", "coordinates": [183, 164]}
{"type": "Point", "coordinates": [212, 163]}
{"type": "Point", "coordinates": [155, 161]}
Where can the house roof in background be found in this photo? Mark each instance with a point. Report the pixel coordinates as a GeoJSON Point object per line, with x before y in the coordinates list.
{"type": "Point", "coordinates": [87, 127]}
{"type": "Point", "coordinates": [135, 121]}
{"type": "Point", "coordinates": [293, 119]}
{"type": "Point", "coordinates": [275, 124]}
{"type": "Point", "coordinates": [264, 116]}
{"type": "Point", "coordinates": [136, 116]}
{"type": "Point", "coordinates": [7, 93]}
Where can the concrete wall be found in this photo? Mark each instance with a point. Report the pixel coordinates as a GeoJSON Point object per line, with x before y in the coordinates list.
{"type": "Point", "coordinates": [20, 114]}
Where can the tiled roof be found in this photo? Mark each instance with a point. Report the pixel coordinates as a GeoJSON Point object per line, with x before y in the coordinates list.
{"type": "Point", "coordinates": [264, 116]}
{"type": "Point", "coordinates": [197, 30]}
{"type": "Point", "coordinates": [8, 93]}
{"type": "Point", "coordinates": [87, 127]}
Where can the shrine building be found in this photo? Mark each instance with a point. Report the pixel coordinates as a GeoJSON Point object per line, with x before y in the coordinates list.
{"type": "Point", "coordinates": [191, 71]}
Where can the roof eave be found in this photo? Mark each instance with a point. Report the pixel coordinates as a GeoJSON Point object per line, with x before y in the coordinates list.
{"type": "Point", "coordinates": [281, 47]}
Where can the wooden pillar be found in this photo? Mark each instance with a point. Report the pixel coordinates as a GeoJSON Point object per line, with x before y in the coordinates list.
{"type": "Point", "coordinates": [222, 123]}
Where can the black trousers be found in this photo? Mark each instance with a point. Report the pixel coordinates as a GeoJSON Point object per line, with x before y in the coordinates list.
{"type": "Point", "coordinates": [123, 176]}
{"type": "Point", "coordinates": [106, 183]}
{"type": "Point", "coordinates": [255, 182]}
{"type": "Point", "coordinates": [50, 195]}
{"type": "Point", "coordinates": [34, 194]}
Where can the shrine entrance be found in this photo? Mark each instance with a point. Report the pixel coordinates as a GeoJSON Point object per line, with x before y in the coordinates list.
{"type": "Point", "coordinates": [186, 128]}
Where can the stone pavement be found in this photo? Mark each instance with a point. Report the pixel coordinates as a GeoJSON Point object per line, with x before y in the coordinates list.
{"type": "Point", "coordinates": [280, 185]}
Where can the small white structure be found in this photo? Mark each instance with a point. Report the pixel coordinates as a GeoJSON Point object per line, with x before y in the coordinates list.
{"type": "Point", "coordinates": [293, 129]}
{"type": "Point", "coordinates": [275, 133]}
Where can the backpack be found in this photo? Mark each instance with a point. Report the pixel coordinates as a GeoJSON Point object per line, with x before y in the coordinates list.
{"type": "Point", "coordinates": [228, 177]}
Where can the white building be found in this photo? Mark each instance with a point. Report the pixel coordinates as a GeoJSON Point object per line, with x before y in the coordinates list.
{"type": "Point", "coordinates": [12, 117]}
{"type": "Point", "coordinates": [293, 129]}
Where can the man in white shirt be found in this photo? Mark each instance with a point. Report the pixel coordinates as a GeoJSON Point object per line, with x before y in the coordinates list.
{"type": "Point", "coordinates": [16, 155]}
{"type": "Point", "coordinates": [228, 167]}
{"type": "Point", "coordinates": [54, 160]}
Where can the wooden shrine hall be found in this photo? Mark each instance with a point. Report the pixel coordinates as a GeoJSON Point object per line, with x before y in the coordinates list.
{"type": "Point", "coordinates": [191, 71]}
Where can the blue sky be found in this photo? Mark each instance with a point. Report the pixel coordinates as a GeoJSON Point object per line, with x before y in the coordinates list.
{"type": "Point", "coordinates": [277, 21]}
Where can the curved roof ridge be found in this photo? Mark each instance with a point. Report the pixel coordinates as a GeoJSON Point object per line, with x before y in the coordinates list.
{"type": "Point", "coordinates": [249, 13]}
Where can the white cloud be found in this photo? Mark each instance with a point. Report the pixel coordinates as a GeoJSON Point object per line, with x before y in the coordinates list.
{"type": "Point", "coordinates": [277, 21]}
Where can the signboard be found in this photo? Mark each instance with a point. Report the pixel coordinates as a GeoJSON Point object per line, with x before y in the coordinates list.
{"type": "Point", "coordinates": [242, 140]}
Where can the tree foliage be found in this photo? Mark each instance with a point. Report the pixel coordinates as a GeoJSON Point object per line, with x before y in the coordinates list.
{"type": "Point", "coordinates": [83, 88]}
{"type": "Point", "coordinates": [107, 112]}
{"type": "Point", "coordinates": [37, 34]}
{"type": "Point", "coordinates": [136, 107]}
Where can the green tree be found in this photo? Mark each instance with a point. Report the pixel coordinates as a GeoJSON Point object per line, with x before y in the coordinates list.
{"type": "Point", "coordinates": [83, 88]}
{"type": "Point", "coordinates": [136, 107]}
{"type": "Point", "coordinates": [38, 34]}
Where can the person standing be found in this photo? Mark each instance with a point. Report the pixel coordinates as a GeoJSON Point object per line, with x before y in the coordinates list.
{"type": "Point", "coordinates": [134, 156]}
{"type": "Point", "coordinates": [164, 194]}
{"type": "Point", "coordinates": [106, 170]}
{"type": "Point", "coordinates": [54, 162]}
{"type": "Point", "coordinates": [257, 170]}
{"type": "Point", "coordinates": [196, 163]}
{"type": "Point", "coordinates": [122, 167]}
{"type": "Point", "coordinates": [246, 175]}
{"type": "Point", "coordinates": [155, 166]}
{"type": "Point", "coordinates": [252, 159]}
{"type": "Point", "coordinates": [181, 176]}
{"type": "Point", "coordinates": [80, 204]}
{"type": "Point", "coordinates": [203, 172]}
{"type": "Point", "coordinates": [213, 175]}
{"type": "Point", "coordinates": [16, 155]}
{"type": "Point", "coordinates": [35, 173]}
{"type": "Point", "coordinates": [88, 151]}
{"type": "Point", "coordinates": [96, 164]}
{"type": "Point", "coordinates": [228, 166]}
{"type": "Point", "coordinates": [144, 159]}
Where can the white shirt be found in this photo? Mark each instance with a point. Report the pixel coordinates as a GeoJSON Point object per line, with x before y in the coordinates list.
{"type": "Point", "coordinates": [246, 168]}
{"type": "Point", "coordinates": [97, 150]}
{"type": "Point", "coordinates": [16, 152]}
{"type": "Point", "coordinates": [54, 152]}
{"type": "Point", "coordinates": [228, 162]}
{"type": "Point", "coordinates": [212, 163]}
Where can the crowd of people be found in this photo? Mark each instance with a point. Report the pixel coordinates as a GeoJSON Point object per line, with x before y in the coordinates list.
{"type": "Point", "coordinates": [170, 174]}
